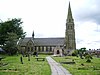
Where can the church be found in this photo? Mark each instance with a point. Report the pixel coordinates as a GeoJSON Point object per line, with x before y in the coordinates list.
{"type": "Point", "coordinates": [67, 43]}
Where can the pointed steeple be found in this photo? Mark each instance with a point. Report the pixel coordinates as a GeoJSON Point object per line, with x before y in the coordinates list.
{"type": "Point", "coordinates": [70, 42]}
{"type": "Point", "coordinates": [69, 16]}
{"type": "Point", "coordinates": [33, 35]}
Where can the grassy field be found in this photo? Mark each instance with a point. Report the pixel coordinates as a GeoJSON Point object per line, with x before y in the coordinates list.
{"type": "Point", "coordinates": [92, 68]}
{"type": "Point", "coordinates": [32, 67]}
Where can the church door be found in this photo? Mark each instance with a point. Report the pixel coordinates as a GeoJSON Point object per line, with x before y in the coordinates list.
{"type": "Point", "coordinates": [58, 52]}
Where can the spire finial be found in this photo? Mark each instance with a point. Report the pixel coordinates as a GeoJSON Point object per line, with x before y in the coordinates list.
{"type": "Point", "coordinates": [33, 34]}
{"type": "Point", "coordinates": [69, 16]}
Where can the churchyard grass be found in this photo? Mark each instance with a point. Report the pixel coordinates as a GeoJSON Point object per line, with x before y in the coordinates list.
{"type": "Point", "coordinates": [33, 67]}
{"type": "Point", "coordinates": [81, 67]}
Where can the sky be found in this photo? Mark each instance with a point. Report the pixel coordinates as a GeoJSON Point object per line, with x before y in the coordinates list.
{"type": "Point", "coordinates": [47, 18]}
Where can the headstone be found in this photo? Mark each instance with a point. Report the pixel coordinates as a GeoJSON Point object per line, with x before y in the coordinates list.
{"type": "Point", "coordinates": [28, 57]}
{"type": "Point", "coordinates": [36, 54]}
{"type": "Point", "coordinates": [21, 59]}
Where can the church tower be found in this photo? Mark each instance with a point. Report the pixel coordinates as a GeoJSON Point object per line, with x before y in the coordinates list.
{"type": "Point", "coordinates": [70, 31]}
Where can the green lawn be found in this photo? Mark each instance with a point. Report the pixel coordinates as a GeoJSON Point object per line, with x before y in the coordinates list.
{"type": "Point", "coordinates": [92, 68]}
{"type": "Point", "coordinates": [32, 67]}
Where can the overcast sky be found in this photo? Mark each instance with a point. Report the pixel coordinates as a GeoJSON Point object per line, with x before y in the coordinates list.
{"type": "Point", "coordinates": [48, 18]}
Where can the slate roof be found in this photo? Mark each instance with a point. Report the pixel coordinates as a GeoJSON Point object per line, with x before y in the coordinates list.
{"type": "Point", "coordinates": [48, 41]}
{"type": "Point", "coordinates": [23, 42]}
{"type": "Point", "coordinates": [43, 41]}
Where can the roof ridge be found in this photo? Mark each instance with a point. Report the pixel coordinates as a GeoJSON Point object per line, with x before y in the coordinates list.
{"type": "Point", "coordinates": [51, 37]}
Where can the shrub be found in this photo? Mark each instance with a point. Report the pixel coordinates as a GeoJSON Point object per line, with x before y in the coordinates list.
{"type": "Point", "coordinates": [75, 53]}
{"type": "Point", "coordinates": [88, 57]}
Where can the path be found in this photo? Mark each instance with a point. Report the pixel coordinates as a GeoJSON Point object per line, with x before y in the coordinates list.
{"type": "Point", "coordinates": [56, 68]}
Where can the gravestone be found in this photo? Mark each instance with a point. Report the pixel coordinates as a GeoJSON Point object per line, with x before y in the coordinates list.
{"type": "Point", "coordinates": [28, 57]}
{"type": "Point", "coordinates": [21, 59]}
{"type": "Point", "coordinates": [35, 54]}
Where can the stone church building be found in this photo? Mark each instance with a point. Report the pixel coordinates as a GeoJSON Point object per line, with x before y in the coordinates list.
{"type": "Point", "coordinates": [67, 43]}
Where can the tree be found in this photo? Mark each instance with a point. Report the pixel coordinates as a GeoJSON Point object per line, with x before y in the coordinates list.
{"type": "Point", "coordinates": [81, 52]}
{"type": "Point", "coordinates": [10, 32]}
{"type": "Point", "coordinates": [11, 43]}
{"type": "Point", "coordinates": [11, 26]}
{"type": "Point", "coordinates": [75, 53]}
{"type": "Point", "coordinates": [88, 57]}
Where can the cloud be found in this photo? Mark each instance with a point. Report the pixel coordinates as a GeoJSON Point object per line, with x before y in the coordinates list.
{"type": "Point", "coordinates": [79, 41]}
{"type": "Point", "coordinates": [97, 41]}
{"type": "Point", "coordinates": [89, 11]}
{"type": "Point", "coordinates": [48, 18]}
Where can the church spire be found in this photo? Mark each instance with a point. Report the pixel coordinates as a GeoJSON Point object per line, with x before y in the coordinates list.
{"type": "Point", "coordinates": [70, 31]}
{"type": "Point", "coordinates": [69, 16]}
{"type": "Point", "coordinates": [33, 35]}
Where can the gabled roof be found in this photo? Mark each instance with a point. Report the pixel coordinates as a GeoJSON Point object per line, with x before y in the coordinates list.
{"type": "Point", "coordinates": [43, 41]}
{"type": "Point", "coordinates": [23, 42]}
{"type": "Point", "coordinates": [48, 41]}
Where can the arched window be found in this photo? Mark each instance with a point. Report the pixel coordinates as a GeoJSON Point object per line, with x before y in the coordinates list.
{"type": "Point", "coordinates": [35, 48]}
{"type": "Point", "coordinates": [38, 48]}
{"type": "Point", "coordinates": [42, 48]}
{"type": "Point", "coordinates": [28, 49]}
{"type": "Point", "coordinates": [69, 20]}
{"type": "Point", "coordinates": [71, 27]}
{"type": "Point", "coordinates": [46, 49]}
{"type": "Point", "coordinates": [31, 49]}
{"type": "Point", "coordinates": [50, 48]}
